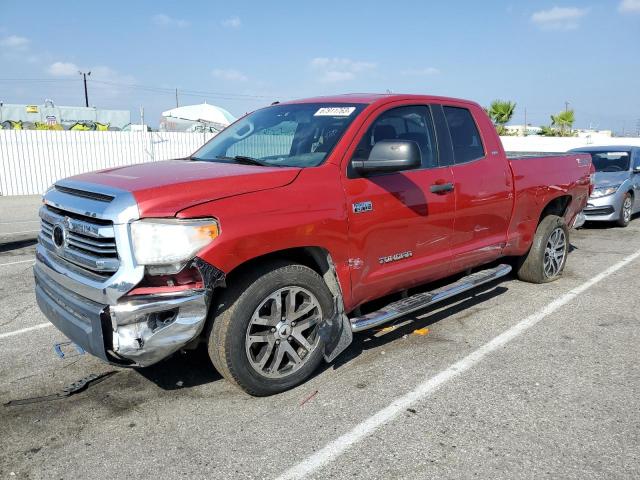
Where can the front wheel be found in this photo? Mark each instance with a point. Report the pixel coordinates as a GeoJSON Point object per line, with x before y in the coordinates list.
{"type": "Point", "coordinates": [625, 210]}
{"type": "Point", "coordinates": [265, 336]}
{"type": "Point", "coordinates": [548, 254]}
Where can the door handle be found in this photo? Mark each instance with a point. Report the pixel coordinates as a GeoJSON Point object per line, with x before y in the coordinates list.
{"type": "Point", "coordinates": [441, 187]}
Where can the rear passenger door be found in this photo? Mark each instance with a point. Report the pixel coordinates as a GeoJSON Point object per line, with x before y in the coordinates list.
{"type": "Point", "coordinates": [483, 187]}
{"type": "Point", "coordinates": [399, 229]}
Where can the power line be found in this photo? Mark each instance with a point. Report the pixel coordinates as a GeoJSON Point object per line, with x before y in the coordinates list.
{"type": "Point", "coordinates": [183, 92]}
{"type": "Point", "coordinates": [149, 88]}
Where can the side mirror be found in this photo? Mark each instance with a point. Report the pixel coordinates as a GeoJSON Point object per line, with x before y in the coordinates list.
{"type": "Point", "coordinates": [390, 156]}
{"type": "Point", "coordinates": [636, 169]}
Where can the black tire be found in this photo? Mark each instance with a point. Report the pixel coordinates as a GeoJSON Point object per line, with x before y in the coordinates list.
{"type": "Point", "coordinates": [233, 310]}
{"type": "Point", "coordinates": [531, 267]}
{"type": "Point", "coordinates": [625, 216]}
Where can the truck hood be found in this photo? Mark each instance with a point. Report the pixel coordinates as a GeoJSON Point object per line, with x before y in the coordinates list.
{"type": "Point", "coordinates": [605, 179]}
{"type": "Point", "coordinates": [162, 189]}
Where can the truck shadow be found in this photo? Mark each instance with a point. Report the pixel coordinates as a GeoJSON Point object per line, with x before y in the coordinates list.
{"type": "Point", "coordinates": [194, 368]}
{"type": "Point", "coordinates": [368, 340]}
{"type": "Point", "coordinates": [183, 370]}
{"type": "Point", "coordinates": [16, 245]}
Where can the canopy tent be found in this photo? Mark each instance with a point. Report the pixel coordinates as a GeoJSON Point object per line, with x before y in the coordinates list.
{"type": "Point", "coordinates": [202, 113]}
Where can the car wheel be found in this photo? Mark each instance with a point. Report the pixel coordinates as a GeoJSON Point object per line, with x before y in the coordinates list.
{"type": "Point", "coordinates": [547, 257]}
{"type": "Point", "coordinates": [625, 210]}
{"type": "Point", "coordinates": [265, 337]}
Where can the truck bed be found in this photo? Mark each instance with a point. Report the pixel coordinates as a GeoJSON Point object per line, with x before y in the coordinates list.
{"type": "Point", "coordinates": [537, 179]}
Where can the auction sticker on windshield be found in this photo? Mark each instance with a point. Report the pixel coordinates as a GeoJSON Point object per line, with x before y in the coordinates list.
{"type": "Point", "coordinates": [334, 112]}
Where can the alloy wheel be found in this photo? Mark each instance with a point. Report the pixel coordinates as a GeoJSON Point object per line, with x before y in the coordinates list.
{"type": "Point", "coordinates": [626, 209]}
{"type": "Point", "coordinates": [554, 253]}
{"type": "Point", "coordinates": [283, 332]}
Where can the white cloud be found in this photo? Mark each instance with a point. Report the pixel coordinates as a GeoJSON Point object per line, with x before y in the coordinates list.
{"type": "Point", "coordinates": [332, 70]}
{"type": "Point", "coordinates": [232, 22]}
{"type": "Point", "coordinates": [629, 6]}
{"type": "Point", "coordinates": [163, 20]}
{"type": "Point", "coordinates": [421, 72]}
{"type": "Point", "coordinates": [229, 74]}
{"type": "Point", "coordinates": [15, 42]}
{"type": "Point", "coordinates": [63, 69]}
{"type": "Point", "coordinates": [559, 18]}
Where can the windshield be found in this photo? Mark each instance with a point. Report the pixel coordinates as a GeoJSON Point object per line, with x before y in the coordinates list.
{"type": "Point", "coordinates": [298, 135]}
{"type": "Point", "coordinates": [614, 161]}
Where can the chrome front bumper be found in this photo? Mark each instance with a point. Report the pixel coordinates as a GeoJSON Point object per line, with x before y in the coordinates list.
{"type": "Point", "coordinates": [94, 311]}
{"type": "Point", "coordinates": [137, 332]}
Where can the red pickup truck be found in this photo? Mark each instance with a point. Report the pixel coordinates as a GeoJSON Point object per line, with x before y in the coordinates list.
{"type": "Point", "coordinates": [270, 243]}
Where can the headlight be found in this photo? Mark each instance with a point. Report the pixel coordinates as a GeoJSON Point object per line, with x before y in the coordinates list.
{"type": "Point", "coordinates": [604, 191]}
{"type": "Point", "coordinates": [171, 241]}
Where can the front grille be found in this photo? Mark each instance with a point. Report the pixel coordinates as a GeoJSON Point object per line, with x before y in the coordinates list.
{"type": "Point", "coordinates": [87, 244]}
{"type": "Point", "coordinates": [591, 210]}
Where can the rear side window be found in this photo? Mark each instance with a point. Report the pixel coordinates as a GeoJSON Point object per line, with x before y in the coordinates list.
{"type": "Point", "coordinates": [467, 144]}
{"type": "Point", "coordinates": [402, 123]}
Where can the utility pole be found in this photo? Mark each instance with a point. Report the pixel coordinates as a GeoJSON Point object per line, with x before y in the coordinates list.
{"type": "Point", "coordinates": [177, 104]}
{"type": "Point", "coordinates": [524, 132]}
{"type": "Point", "coordinates": [86, 95]}
{"type": "Point", "coordinates": [566, 106]}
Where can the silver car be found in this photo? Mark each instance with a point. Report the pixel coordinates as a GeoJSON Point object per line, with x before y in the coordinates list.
{"type": "Point", "coordinates": [616, 196]}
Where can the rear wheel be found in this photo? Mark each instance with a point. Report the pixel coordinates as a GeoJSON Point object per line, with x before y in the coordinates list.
{"type": "Point", "coordinates": [265, 336]}
{"type": "Point", "coordinates": [548, 254]}
{"type": "Point", "coordinates": [625, 210]}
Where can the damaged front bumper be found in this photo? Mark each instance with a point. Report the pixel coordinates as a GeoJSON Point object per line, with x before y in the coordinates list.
{"type": "Point", "coordinates": [137, 331]}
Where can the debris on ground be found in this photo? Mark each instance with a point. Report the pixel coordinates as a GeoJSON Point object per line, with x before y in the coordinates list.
{"type": "Point", "coordinates": [68, 349]}
{"type": "Point", "coordinates": [421, 331]}
{"type": "Point", "coordinates": [309, 397]}
{"type": "Point", "coordinates": [71, 389]}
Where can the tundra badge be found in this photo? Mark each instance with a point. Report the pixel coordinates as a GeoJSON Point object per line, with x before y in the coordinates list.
{"type": "Point", "coordinates": [395, 257]}
{"type": "Point", "coordinates": [362, 207]}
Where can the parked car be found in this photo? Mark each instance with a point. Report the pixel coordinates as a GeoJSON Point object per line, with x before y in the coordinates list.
{"type": "Point", "coordinates": [270, 243]}
{"type": "Point", "coordinates": [616, 194]}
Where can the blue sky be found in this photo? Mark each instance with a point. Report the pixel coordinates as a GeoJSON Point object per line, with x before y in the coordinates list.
{"type": "Point", "coordinates": [246, 54]}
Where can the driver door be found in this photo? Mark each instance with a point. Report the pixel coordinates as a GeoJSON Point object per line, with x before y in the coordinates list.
{"type": "Point", "coordinates": [400, 223]}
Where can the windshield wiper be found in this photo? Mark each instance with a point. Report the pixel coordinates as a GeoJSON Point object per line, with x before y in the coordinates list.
{"type": "Point", "coordinates": [247, 160]}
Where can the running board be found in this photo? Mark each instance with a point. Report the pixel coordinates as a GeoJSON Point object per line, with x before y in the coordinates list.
{"type": "Point", "coordinates": [419, 301]}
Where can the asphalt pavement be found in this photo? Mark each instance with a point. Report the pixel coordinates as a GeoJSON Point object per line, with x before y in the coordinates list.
{"type": "Point", "coordinates": [19, 218]}
{"type": "Point", "coordinates": [555, 396]}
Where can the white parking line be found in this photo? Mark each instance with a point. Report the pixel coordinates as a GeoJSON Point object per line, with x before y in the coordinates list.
{"type": "Point", "coordinates": [25, 330]}
{"type": "Point", "coordinates": [337, 447]}
{"type": "Point", "coordinates": [16, 263]}
{"type": "Point", "coordinates": [19, 221]}
{"type": "Point", "coordinates": [6, 234]}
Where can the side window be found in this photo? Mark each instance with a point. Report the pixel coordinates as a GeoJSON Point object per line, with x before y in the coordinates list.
{"type": "Point", "coordinates": [402, 123]}
{"type": "Point", "coordinates": [467, 144]}
{"type": "Point", "coordinates": [636, 158]}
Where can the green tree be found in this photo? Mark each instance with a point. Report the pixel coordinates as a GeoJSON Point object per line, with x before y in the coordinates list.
{"type": "Point", "coordinates": [564, 121]}
{"type": "Point", "coordinates": [501, 112]}
{"type": "Point", "coordinates": [561, 125]}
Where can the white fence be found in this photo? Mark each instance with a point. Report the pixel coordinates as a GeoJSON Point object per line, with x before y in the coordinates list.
{"type": "Point", "coordinates": [536, 143]}
{"type": "Point", "coordinates": [31, 160]}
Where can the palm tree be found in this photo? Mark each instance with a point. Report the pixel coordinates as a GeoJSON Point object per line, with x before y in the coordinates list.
{"type": "Point", "coordinates": [564, 121]}
{"type": "Point", "coordinates": [500, 113]}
